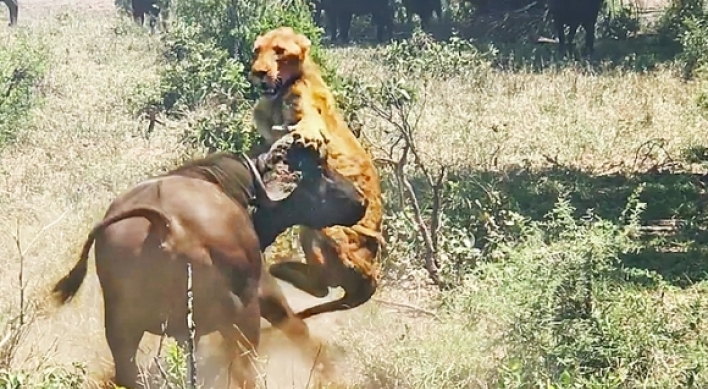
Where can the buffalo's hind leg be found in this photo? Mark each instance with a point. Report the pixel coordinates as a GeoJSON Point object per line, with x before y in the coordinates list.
{"type": "Point", "coordinates": [14, 10]}
{"type": "Point", "coordinates": [276, 310]}
{"type": "Point", "coordinates": [560, 31]}
{"type": "Point", "coordinates": [240, 342]}
{"type": "Point", "coordinates": [344, 22]}
{"type": "Point", "coordinates": [573, 29]}
{"type": "Point", "coordinates": [123, 339]}
{"type": "Point", "coordinates": [589, 49]}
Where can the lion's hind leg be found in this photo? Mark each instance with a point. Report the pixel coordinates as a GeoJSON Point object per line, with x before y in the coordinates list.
{"type": "Point", "coordinates": [302, 276]}
{"type": "Point", "coordinates": [329, 265]}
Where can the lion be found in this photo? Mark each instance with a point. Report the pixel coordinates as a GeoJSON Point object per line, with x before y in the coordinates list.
{"type": "Point", "coordinates": [297, 100]}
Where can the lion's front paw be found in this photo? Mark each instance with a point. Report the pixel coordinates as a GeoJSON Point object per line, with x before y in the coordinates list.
{"type": "Point", "coordinates": [309, 139]}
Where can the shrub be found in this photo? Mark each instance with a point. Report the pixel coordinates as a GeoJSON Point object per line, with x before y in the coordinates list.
{"type": "Point", "coordinates": [620, 21]}
{"type": "Point", "coordinates": [21, 69]}
{"type": "Point", "coordinates": [684, 30]}
{"type": "Point", "coordinates": [574, 317]}
{"type": "Point", "coordinates": [420, 196]}
{"type": "Point", "coordinates": [694, 43]}
{"type": "Point", "coordinates": [671, 24]}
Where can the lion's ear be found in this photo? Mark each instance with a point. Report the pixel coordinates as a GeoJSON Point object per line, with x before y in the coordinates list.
{"type": "Point", "coordinates": [258, 42]}
{"type": "Point", "coordinates": [304, 44]}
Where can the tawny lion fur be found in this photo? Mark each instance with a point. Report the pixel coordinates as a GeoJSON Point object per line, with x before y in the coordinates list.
{"type": "Point", "coordinates": [336, 256]}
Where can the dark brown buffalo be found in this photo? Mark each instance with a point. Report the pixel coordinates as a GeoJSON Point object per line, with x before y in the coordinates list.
{"type": "Point", "coordinates": [574, 13]}
{"type": "Point", "coordinates": [198, 213]}
{"type": "Point", "coordinates": [339, 14]}
{"type": "Point", "coordinates": [13, 8]}
{"type": "Point", "coordinates": [154, 9]}
{"type": "Point", "coordinates": [424, 9]}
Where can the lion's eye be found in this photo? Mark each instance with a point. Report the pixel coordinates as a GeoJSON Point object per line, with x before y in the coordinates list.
{"type": "Point", "coordinates": [278, 50]}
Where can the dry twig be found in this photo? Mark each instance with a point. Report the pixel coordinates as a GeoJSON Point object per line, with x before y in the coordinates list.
{"type": "Point", "coordinates": [399, 114]}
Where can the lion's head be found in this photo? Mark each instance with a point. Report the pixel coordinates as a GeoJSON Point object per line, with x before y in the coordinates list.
{"type": "Point", "coordinates": [278, 58]}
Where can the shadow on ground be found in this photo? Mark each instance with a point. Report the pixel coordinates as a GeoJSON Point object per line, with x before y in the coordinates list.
{"type": "Point", "coordinates": [674, 222]}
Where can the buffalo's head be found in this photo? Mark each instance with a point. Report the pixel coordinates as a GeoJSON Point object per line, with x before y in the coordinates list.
{"type": "Point", "coordinates": [293, 188]}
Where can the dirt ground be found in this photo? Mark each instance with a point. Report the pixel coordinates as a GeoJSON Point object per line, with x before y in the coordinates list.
{"type": "Point", "coordinates": [34, 9]}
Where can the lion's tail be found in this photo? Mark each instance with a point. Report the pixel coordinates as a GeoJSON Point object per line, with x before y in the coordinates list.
{"type": "Point", "coordinates": [66, 288]}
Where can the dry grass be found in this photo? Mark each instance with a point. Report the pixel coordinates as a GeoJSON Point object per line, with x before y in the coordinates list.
{"type": "Point", "coordinates": [575, 116]}
{"type": "Point", "coordinates": [84, 147]}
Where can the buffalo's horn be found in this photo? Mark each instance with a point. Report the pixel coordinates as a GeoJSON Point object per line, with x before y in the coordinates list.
{"type": "Point", "coordinates": [258, 186]}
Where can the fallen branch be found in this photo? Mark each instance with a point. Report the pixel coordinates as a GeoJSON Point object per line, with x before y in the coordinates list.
{"type": "Point", "coordinates": [408, 306]}
{"type": "Point", "coordinates": [314, 365]}
{"type": "Point", "coordinates": [23, 252]}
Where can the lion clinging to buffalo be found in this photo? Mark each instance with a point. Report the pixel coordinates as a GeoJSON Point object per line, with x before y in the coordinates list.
{"type": "Point", "coordinates": [296, 100]}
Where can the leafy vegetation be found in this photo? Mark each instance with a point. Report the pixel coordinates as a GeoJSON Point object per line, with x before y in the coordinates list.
{"type": "Point", "coordinates": [21, 69]}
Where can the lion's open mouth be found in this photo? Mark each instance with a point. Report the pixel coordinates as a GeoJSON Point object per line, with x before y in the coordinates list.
{"type": "Point", "coordinates": [278, 88]}
{"type": "Point", "coordinates": [272, 91]}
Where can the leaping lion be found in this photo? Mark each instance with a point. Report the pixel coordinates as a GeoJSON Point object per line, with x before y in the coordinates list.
{"type": "Point", "coordinates": [296, 99]}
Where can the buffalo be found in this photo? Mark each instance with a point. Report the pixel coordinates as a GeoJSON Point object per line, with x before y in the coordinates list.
{"type": "Point", "coordinates": [13, 8]}
{"type": "Point", "coordinates": [424, 9]}
{"type": "Point", "coordinates": [154, 9]}
{"type": "Point", "coordinates": [574, 13]}
{"type": "Point", "coordinates": [339, 14]}
{"type": "Point", "coordinates": [198, 214]}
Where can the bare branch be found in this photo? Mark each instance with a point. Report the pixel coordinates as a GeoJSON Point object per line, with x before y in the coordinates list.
{"type": "Point", "coordinates": [407, 306]}
{"type": "Point", "coordinates": [430, 252]}
{"type": "Point", "coordinates": [314, 365]}
{"type": "Point", "coordinates": [400, 114]}
{"type": "Point", "coordinates": [437, 207]}
{"type": "Point", "coordinates": [23, 252]}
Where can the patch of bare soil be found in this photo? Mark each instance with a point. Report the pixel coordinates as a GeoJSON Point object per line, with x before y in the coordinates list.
{"type": "Point", "coordinates": [286, 366]}
{"type": "Point", "coordinates": [31, 10]}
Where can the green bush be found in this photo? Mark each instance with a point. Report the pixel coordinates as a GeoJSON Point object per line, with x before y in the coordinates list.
{"type": "Point", "coordinates": [619, 21]}
{"type": "Point", "coordinates": [573, 316]}
{"type": "Point", "coordinates": [683, 29]}
{"type": "Point", "coordinates": [694, 43]}
{"type": "Point", "coordinates": [413, 65]}
{"type": "Point", "coordinates": [22, 65]}
{"type": "Point", "coordinates": [671, 24]}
